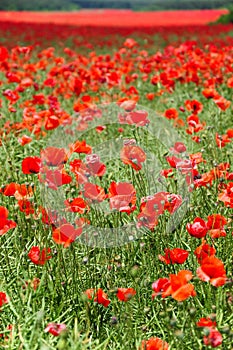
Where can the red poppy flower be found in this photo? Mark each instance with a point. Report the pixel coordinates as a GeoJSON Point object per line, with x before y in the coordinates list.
{"type": "Point", "coordinates": [80, 147]}
{"type": "Point", "coordinates": [222, 103]}
{"type": "Point", "coordinates": [216, 223]}
{"type": "Point", "coordinates": [194, 124]}
{"type": "Point", "coordinates": [122, 197]}
{"type": "Point", "coordinates": [203, 179]}
{"type": "Point", "coordinates": [222, 140]}
{"type": "Point", "coordinates": [210, 93]}
{"type": "Point", "coordinates": [173, 202]}
{"type": "Point", "coordinates": [24, 140]}
{"type": "Point", "coordinates": [167, 173]}
{"type": "Point", "coordinates": [94, 166]}
{"type": "Point", "coordinates": [100, 128]}
{"type": "Point", "coordinates": [76, 205]}
{"type": "Point", "coordinates": [53, 156]}
{"type": "Point", "coordinates": [26, 206]}
{"type": "Point", "coordinates": [125, 294]}
{"type": "Point", "coordinates": [174, 256]}
{"type": "Point", "coordinates": [3, 53]}
{"type": "Point", "coordinates": [90, 293]}
{"type": "Point", "coordinates": [80, 170]}
{"type": "Point", "coordinates": [203, 251]}
{"type": "Point", "coordinates": [9, 190]}
{"type": "Point", "coordinates": [179, 287]}
{"type": "Point", "coordinates": [212, 270]}
{"type": "Point", "coordinates": [196, 158]}
{"type": "Point", "coordinates": [38, 256]}
{"type": "Point", "coordinates": [101, 298]}
{"type": "Point", "coordinates": [230, 132]}
{"type": "Point", "coordinates": [52, 122]}
{"type": "Point", "coordinates": [154, 344]}
{"type": "Point", "coordinates": [214, 338]}
{"type": "Point", "coordinates": [11, 95]}
{"type": "Point", "coordinates": [171, 113]}
{"type": "Point", "coordinates": [55, 328]}
{"type": "Point", "coordinates": [133, 155]}
{"type": "Point", "coordinates": [66, 234]}
{"type": "Point", "coordinates": [23, 192]}
{"type": "Point", "coordinates": [198, 229]}
{"type": "Point", "coordinates": [138, 118]}
{"type": "Point", "coordinates": [179, 147]}
{"type": "Point", "coordinates": [173, 161]}
{"type": "Point", "coordinates": [206, 322]}
{"type": "Point", "coordinates": [94, 193]}
{"type": "Point", "coordinates": [5, 224]}
{"type": "Point", "coordinates": [31, 165]}
{"type": "Point", "coordinates": [130, 43]}
{"type": "Point", "coordinates": [128, 105]}
{"type": "Point", "coordinates": [159, 286]}
{"type": "Point", "coordinates": [226, 196]}
{"type": "Point", "coordinates": [55, 178]}
{"type": "Point", "coordinates": [151, 208]}
{"type": "Point", "coordinates": [3, 299]}
{"type": "Point", "coordinates": [194, 106]}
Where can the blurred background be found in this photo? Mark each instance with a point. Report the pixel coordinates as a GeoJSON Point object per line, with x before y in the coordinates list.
{"type": "Point", "coordinates": [136, 5]}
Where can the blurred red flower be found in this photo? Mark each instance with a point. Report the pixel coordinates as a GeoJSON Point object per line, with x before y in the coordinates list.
{"type": "Point", "coordinates": [3, 299]}
{"type": "Point", "coordinates": [154, 344]}
{"type": "Point", "coordinates": [53, 156]}
{"type": "Point", "coordinates": [55, 328]}
{"type": "Point", "coordinates": [125, 294]}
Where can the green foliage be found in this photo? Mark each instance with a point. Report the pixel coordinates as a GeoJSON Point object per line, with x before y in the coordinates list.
{"type": "Point", "coordinates": [227, 18]}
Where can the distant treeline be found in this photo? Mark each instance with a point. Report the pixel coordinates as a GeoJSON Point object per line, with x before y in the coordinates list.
{"type": "Point", "coordinates": [137, 5]}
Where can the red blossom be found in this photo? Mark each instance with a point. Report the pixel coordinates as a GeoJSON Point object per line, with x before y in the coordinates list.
{"type": "Point", "coordinates": [179, 287]}
{"type": "Point", "coordinates": [53, 156]}
{"type": "Point", "coordinates": [55, 328]}
{"type": "Point", "coordinates": [212, 270]}
{"type": "Point", "coordinates": [3, 299]}
{"type": "Point", "coordinates": [174, 256]}
{"type": "Point", "coordinates": [66, 234]}
{"type": "Point", "coordinates": [5, 224]}
{"type": "Point", "coordinates": [125, 294]}
{"type": "Point", "coordinates": [39, 256]}
{"type": "Point", "coordinates": [31, 165]}
{"type": "Point", "coordinates": [154, 344]}
{"type": "Point", "coordinates": [198, 229]}
{"type": "Point", "coordinates": [122, 196]}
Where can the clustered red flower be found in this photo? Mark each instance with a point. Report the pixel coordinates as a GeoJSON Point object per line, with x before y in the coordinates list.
{"type": "Point", "coordinates": [79, 167]}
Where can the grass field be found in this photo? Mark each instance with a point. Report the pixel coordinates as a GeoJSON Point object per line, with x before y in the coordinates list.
{"type": "Point", "coordinates": [116, 188]}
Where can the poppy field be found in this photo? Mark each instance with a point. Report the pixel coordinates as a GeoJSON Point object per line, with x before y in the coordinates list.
{"type": "Point", "coordinates": [116, 186]}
